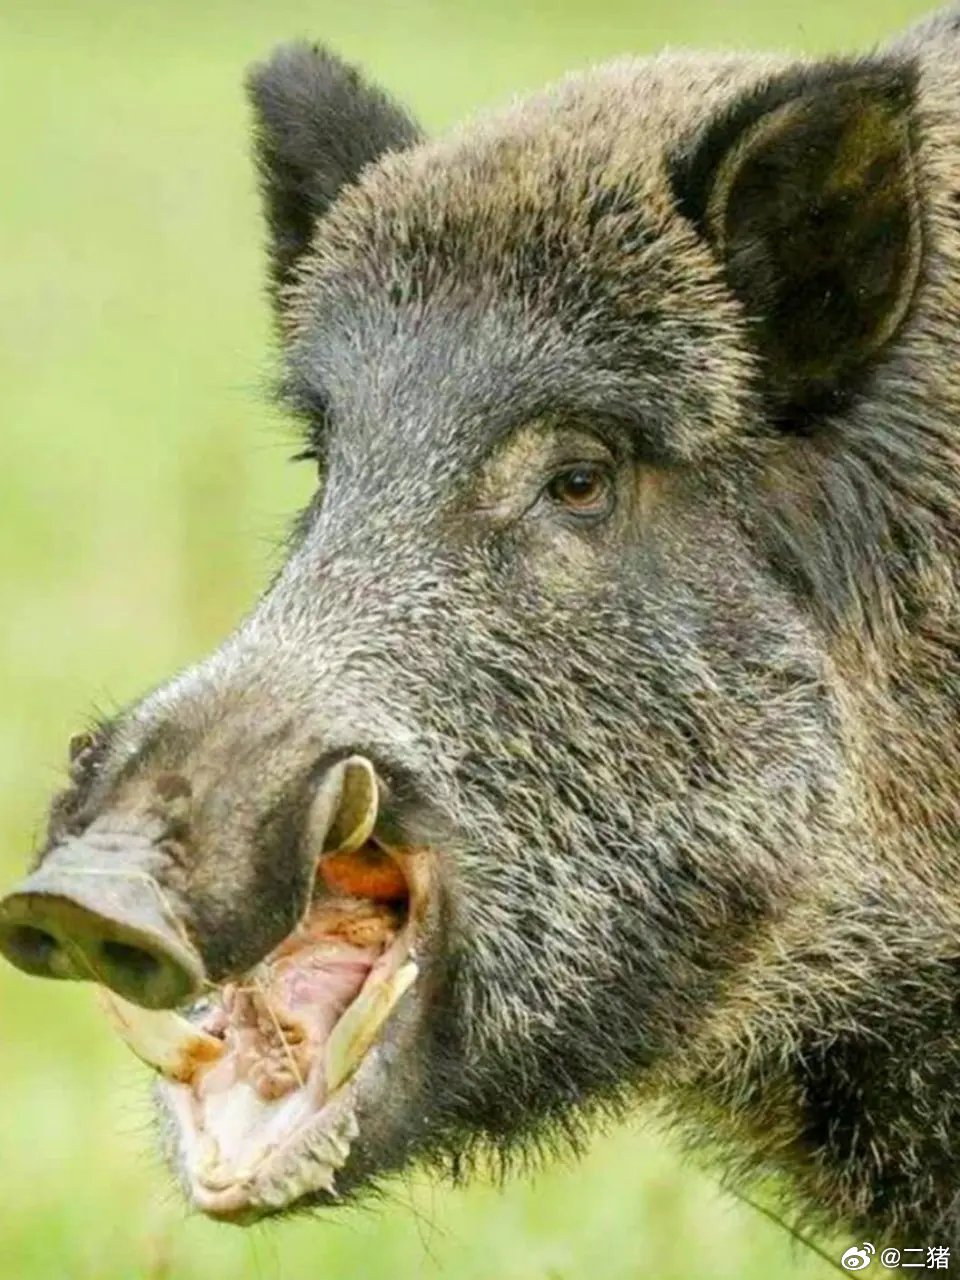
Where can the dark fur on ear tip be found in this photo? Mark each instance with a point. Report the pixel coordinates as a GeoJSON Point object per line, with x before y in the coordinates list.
{"type": "Point", "coordinates": [317, 124]}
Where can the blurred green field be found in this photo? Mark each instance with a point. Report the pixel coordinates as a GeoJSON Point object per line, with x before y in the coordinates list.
{"type": "Point", "coordinates": [143, 487]}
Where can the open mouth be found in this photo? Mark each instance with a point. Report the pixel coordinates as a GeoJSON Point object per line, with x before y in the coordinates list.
{"type": "Point", "coordinates": [260, 1075]}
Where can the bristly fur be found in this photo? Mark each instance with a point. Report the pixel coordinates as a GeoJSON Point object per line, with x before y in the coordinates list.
{"type": "Point", "coordinates": [691, 768]}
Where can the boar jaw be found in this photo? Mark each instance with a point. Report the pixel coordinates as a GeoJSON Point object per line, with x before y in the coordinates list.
{"type": "Point", "coordinates": [272, 1118]}
{"type": "Point", "coordinates": [260, 1078]}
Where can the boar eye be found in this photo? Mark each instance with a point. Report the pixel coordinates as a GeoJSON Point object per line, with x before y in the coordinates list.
{"type": "Point", "coordinates": [583, 490]}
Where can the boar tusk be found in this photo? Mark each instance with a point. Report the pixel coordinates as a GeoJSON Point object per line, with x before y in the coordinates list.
{"type": "Point", "coordinates": [358, 1026]}
{"type": "Point", "coordinates": [162, 1039]}
{"type": "Point", "coordinates": [356, 812]}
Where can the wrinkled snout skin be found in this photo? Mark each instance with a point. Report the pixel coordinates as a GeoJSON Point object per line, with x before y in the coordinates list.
{"type": "Point", "coordinates": [683, 754]}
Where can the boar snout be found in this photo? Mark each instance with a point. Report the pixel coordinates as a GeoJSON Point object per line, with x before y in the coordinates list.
{"type": "Point", "coordinates": [86, 915]}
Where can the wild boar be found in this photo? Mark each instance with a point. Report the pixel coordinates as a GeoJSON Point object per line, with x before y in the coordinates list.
{"type": "Point", "coordinates": [598, 739]}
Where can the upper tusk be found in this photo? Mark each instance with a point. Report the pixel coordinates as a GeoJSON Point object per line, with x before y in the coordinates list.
{"type": "Point", "coordinates": [356, 811]}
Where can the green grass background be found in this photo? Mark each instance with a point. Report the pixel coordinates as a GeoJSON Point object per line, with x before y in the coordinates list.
{"type": "Point", "coordinates": [143, 487]}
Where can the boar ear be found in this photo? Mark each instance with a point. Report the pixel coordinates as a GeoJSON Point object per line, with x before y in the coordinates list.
{"type": "Point", "coordinates": [807, 192]}
{"type": "Point", "coordinates": [317, 123]}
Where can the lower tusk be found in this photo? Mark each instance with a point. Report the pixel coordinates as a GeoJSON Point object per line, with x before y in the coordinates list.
{"type": "Point", "coordinates": [358, 1026]}
{"type": "Point", "coordinates": [162, 1039]}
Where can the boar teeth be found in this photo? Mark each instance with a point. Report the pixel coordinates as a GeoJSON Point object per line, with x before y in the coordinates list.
{"type": "Point", "coordinates": [356, 812]}
{"type": "Point", "coordinates": [161, 1038]}
{"type": "Point", "coordinates": [358, 1026]}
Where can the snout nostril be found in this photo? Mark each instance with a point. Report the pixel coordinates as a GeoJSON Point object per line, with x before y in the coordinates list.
{"type": "Point", "coordinates": [32, 948]}
{"type": "Point", "coordinates": [128, 966]}
{"type": "Point", "coordinates": [40, 951]}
